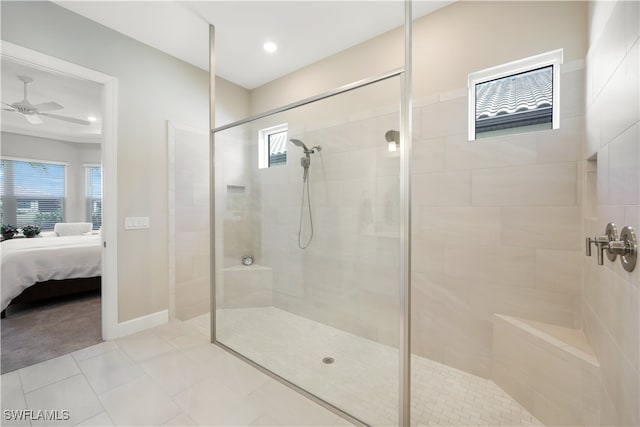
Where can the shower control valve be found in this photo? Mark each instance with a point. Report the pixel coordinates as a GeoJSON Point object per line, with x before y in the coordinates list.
{"type": "Point", "coordinates": [626, 247]}
{"type": "Point", "coordinates": [603, 243]}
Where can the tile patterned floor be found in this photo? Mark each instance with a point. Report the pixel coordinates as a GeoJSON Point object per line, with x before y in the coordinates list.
{"type": "Point", "coordinates": [170, 375]}
{"type": "Point", "coordinates": [363, 381]}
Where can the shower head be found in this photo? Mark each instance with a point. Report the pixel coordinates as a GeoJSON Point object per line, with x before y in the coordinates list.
{"type": "Point", "coordinates": [392, 136]}
{"type": "Point", "coordinates": [300, 144]}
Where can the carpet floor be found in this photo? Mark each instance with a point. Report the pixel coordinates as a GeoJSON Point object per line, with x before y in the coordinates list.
{"type": "Point", "coordinates": [34, 333]}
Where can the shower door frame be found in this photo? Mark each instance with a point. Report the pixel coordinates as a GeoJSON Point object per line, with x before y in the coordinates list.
{"type": "Point", "coordinates": [404, 321]}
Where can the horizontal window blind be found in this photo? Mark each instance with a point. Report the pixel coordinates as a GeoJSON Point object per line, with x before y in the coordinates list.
{"type": "Point", "coordinates": [94, 196]}
{"type": "Point", "coordinates": [32, 193]}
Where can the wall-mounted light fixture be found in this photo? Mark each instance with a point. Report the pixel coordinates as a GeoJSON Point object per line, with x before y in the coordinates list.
{"type": "Point", "coordinates": [393, 139]}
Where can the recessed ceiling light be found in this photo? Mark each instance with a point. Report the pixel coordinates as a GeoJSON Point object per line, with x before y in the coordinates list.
{"type": "Point", "coordinates": [270, 47]}
{"type": "Point", "coordinates": [91, 119]}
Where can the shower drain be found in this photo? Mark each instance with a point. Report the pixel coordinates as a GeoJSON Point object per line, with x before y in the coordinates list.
{"type": "Point", "coordinates": [328, 360]}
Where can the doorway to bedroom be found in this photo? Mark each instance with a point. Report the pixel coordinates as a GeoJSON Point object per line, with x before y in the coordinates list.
{"type": "Point", "coordinates": [51, 180]}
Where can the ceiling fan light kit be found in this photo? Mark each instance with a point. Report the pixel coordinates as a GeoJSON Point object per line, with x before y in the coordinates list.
{"type": "Point", "coordinates": [32, 112]}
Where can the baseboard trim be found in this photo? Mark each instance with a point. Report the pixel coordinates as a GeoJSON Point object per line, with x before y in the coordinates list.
{"type": "Point", "coordinates": [144, 322]}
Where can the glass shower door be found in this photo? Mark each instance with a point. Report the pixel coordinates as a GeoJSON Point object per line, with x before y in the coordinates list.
{"type": "Point", "coordinates": [307, 247]}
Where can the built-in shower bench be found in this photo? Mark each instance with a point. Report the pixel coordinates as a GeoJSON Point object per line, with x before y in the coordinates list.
{"type": "Point", "coordinates": [245, 286]}
{"type": "Point", "coordinates": [550, 370]}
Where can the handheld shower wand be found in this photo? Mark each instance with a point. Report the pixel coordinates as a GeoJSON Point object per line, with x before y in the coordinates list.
{"type": "Point", "coordinates": [305, 162]}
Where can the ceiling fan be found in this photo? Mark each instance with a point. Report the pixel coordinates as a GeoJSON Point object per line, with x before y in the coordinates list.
{"type": "Point", "coordinates": [33, 112]}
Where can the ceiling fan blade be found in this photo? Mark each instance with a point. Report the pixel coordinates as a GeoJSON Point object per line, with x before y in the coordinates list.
{"type": "Point", "coordinates": [48, 106]}
{"type": "Point", "coordinates": [67, 119]}
{"type": "Point", "coordinates": [33, 119]}
{"type": "Point", "coordinates": [10, 106]}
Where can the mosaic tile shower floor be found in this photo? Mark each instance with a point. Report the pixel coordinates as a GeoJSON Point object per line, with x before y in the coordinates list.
{"type": "Point", "coordinates": [363, 380]}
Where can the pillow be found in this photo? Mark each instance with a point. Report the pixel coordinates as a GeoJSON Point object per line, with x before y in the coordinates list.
{"type": "Point", "coordinates": [72, 228]}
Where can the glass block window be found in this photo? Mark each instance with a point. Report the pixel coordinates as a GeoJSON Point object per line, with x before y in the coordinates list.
{"type": "Point", "coordinates": [32, 192]}
{"type": "Point", "coordinates": [517, 97]}
{"type": "Point", "coordinates": [272, 146]}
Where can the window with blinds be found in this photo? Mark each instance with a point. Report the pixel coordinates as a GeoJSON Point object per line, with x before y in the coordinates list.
{"type": "Point", "coordinates": [32, 193]}
{"type": "Point", "coordinates": [94, 195]}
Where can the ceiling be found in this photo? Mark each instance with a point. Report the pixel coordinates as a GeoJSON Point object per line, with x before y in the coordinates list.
{"type": "Point", "coordinates": [80, 99]}
{"type": "Point", "coordinates": [306, 31]}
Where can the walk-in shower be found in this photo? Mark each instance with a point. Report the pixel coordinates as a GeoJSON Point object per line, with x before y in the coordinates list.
{"type": "Point", "coordinates": [446, 283]}
{"type": "Point", "coordinates": [343, 298]}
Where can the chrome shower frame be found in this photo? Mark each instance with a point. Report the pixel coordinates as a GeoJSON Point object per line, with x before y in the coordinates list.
{"type": "Point", "coordinates": [404, 321]}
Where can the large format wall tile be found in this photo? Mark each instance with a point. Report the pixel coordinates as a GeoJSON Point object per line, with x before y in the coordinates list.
{"type": "Point", "coordinates": [482, 265]}
{"type": "Point", "coordinates": [428, 155]}
{"type": "Point", "coordinates": [610, 299]}
{"type": "Point", "coordinates": [564, 144]}
{"type": "Point", "coordinates": [533, 185]}
{"type": "Point", "coordinates": [542, 227]}
{"type": "Point", "coordinates": [490, 153]}
{"type": "Point", "coordinates": [457, 226]}
{"type": "Point", "coordinates": [487, 217]}
{"type": "Point", "coordinates": [558, 270]}
{"type": "Point", "coordinates": [624, 170]}
{"type": "Point", "coordinates": [442, 189]}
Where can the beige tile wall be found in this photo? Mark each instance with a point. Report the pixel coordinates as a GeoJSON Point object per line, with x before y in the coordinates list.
{"type": "Point", "coordinates": [347, 277]}
{"type": "Point", "coordinates": [610, 296]}
{"type": "Point", "coordinates": [496, 228]}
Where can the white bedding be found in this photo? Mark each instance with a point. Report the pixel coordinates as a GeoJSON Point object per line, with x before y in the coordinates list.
{"type": "Point", "coordinates": [27, 261]}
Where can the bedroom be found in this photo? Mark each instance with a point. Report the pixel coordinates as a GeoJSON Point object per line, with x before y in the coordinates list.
{"type": "Point", "coordinates": [51, 177]}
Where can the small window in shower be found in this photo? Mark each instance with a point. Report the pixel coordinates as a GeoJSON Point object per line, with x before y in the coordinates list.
{"type": "Point", "coordinates": [521, 96]}
{"type": "Point", "coordinates": [272, 149]}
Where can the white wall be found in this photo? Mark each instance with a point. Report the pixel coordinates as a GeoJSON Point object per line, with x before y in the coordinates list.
{"type": "Point", "coordinates": [611, 299]}
{"type": "Point", "coordinates": [153, 88]}
{"type": "Point", "coordinates": [75, 154]}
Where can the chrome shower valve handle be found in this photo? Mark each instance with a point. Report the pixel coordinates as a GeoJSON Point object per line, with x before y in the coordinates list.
{"type": "Point", "coordinates": [603, 243]}
{"type": "Point", "coordinates": [626, 247]}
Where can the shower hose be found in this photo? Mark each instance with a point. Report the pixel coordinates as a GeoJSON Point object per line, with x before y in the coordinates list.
{"type": "Point", "coordinates": [305, 187]}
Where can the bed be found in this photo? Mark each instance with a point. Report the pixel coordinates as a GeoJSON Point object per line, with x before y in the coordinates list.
{"type": "Point", "coordinates": [46, 267]}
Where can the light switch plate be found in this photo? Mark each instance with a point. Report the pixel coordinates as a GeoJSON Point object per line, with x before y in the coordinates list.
{"type": "Point", "coordinates": [136, 222]}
